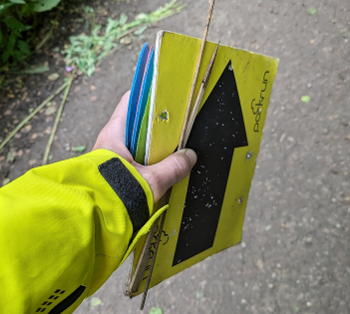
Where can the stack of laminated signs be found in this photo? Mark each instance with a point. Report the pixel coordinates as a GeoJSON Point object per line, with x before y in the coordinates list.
{"type": "Point", "coordinates": [206, 210]}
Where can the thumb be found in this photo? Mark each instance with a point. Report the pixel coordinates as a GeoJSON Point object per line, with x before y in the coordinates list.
{"type": "Point", "coordinates": [169, 171]}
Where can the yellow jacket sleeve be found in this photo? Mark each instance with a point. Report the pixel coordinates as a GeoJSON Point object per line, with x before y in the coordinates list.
{"type": "Point", "coordinates": [64, 229]}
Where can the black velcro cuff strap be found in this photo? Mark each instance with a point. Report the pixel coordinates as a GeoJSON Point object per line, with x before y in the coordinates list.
{"type": "Point", "coordinates": [128, 189]}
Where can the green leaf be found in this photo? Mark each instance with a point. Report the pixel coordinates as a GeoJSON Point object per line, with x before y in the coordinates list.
{"type": "Point", "coordinates": [95, 301]}
{"type": "Point", "coordinates": [5, 56]}
{"type": "Point", "coordinates": [10, 43]}
{"type": "Point", "coordinates": [18, 1]}
{"type": "Point", "coordinates": [311, 10]}
{"type": "Point", "coordinates": [3, 7]}
{"type": "Point", "coordinates": [10, 156]}
{"type": "Point", "coordinates": [54, 22]}
{"type": "Point", "coordinates": [141, 30]}
{"type": "Point", "coordinates": [131, 25]}
{"type": "Point", "coordinates": [19, 55]}
{"type": "Point", "coordinates": [111, 24]}
{"type": "Point", "coordinates": [88, 9]}
{"type": "Point", "coordinates": [81, 149]}
{"type": "Point", "coordinates": [90, 70]}
{"type": "Point", "coordinates": [306, 99]}
{"type": "Point", "coordinates": [123, 19]}
{"type": "Point", "coordinates": [23, 46]}
{"type": "Point", "coordinates": [37, 69]}
{"type": "Point", "coordinates": [13, 23]}
{"type": "Point", "coordinates": [44, 5]}
{"type": "Point", "coordinates": [142, 16]}
{"type": "Point", "coordinates": [156, 310]}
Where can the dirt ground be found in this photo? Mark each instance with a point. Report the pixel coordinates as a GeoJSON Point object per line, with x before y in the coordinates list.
{"type": "Point", "coordinates": [295, 255]}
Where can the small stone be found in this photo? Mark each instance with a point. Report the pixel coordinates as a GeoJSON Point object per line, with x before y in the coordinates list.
{"type": "Point", "coordinates": [309, 240]}
{"type": "Point", "coordinates": [50, 110]}
{"type": "Point", "coordinates": [53, 77]}
{"type": "Point", "coordinates": [31, 162]}
{"type": "Point", "coordinates": [27, 128]}
{"type": "Point", "coordinates": [126, 41]}
{"type": "Point", "coordinates": [5, 181]}
{"type": "Point", "coordinates": [282, 137]}
{"type": "Point", "coordinates": [260, 264]}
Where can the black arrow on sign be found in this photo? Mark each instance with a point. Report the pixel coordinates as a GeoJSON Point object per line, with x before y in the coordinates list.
{"type": "Point", "coordinates": [218, 130]}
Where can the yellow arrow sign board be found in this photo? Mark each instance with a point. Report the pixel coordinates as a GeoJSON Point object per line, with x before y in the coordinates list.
{"type": "Point", "coordinates": [206, 210]}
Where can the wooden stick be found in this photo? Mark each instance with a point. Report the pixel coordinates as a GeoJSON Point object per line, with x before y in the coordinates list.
{"type": "Point", "coordinates": [58, 117]}
{"type": "Point", "coordinates": [153, 261]}
{"type": "Point", "coordinates": [33, 113]}
{"type": "Point", "coordinates": [142, 263]}
{"type": "Point", "coordinates": [199, 61]}
{"type": "Point", "coordinates": [200, 95]}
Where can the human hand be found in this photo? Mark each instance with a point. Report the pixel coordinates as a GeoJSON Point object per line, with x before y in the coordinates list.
{"type": "Point", "coordinates": [160, 176]}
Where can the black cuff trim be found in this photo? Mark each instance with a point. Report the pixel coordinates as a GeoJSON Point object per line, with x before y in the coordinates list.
{"type": "Point", "coordinates": [128, 189]}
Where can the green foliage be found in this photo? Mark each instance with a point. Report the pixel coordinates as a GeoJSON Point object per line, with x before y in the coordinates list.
{"type": "Point", "coordinates": [16, 19]}
{"type": "Point", "coordinates": [11, 43]}
{"type": "Point", "coordinates": [306, 99]}
{"type": "Point", "coordinates": [311, 10]}
{"type": "Point", "coordinates": [44, 5]}
{"type": "Point", "coordinates": [156, 310]}
{"type": "Point", "coordinates": [81, 149]}
{"type": "Point", "coordinates": [85, 51]}
{"type": "Point", "coordinates": [95, 301]}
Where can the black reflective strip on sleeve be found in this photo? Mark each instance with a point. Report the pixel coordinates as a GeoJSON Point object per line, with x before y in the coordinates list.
{"type": "Point", "coordinates": [128, 189]}
{"type": "Point", "coordinates": [67, 302]}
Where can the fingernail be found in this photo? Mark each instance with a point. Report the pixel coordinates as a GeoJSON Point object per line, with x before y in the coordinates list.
{"type": "Point", "coordinates": [191, 155]}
